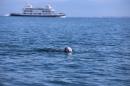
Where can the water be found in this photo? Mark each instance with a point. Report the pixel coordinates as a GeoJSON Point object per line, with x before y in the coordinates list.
{"type": "Point", "coordinates": [101, 51]}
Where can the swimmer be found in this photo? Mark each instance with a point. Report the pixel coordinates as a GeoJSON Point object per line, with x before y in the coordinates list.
{"type": "Point", "coordinates": [66, 50]}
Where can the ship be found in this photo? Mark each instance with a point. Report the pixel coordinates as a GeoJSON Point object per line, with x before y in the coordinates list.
{"type": "Point", "coordinates": [46, 11]}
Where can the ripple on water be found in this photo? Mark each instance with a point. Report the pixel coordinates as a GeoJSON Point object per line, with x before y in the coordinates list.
{"type": "Point", "coordinates": [100, 54]}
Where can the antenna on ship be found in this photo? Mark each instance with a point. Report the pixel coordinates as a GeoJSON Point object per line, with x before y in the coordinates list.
{"type": "Point", "coordinates": [27, 2]}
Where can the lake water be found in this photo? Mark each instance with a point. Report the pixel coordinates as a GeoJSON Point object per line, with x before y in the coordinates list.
{"type": "Point", "coordinates": [100, 57]}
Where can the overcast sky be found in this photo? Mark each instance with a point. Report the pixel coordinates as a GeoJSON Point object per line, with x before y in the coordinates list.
{"type": "Point", "coordinates": [73, 8]}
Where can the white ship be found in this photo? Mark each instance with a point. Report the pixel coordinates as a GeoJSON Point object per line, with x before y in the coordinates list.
{"type": "Point", "coordinates": [47, 11]}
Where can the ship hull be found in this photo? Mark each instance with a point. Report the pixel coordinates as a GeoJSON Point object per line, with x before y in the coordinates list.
{"type": "Point", "coordinates": [56, 15]}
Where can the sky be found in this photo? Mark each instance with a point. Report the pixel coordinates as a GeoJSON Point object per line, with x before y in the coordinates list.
{"type": "Point", "coordinates": [73, 8]}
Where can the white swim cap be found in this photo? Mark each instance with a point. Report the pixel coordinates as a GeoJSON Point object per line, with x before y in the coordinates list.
{"type": "Point", "coordinates": [68, 49]}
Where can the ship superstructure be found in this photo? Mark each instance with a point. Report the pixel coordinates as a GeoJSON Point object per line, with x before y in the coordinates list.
{"type": "Point", "coordinates": [47, 11]}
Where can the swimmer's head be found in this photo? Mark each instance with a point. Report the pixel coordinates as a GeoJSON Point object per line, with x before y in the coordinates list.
{"type": "Point", "coordinates": [68, 50]}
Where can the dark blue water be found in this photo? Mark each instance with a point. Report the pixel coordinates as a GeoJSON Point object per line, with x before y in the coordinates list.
{"type": "Point", "coordinates": [101, 51]}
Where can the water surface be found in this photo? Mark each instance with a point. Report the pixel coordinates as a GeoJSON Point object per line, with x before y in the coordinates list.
{"type": "Point", "coordinates": [101, 51]}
